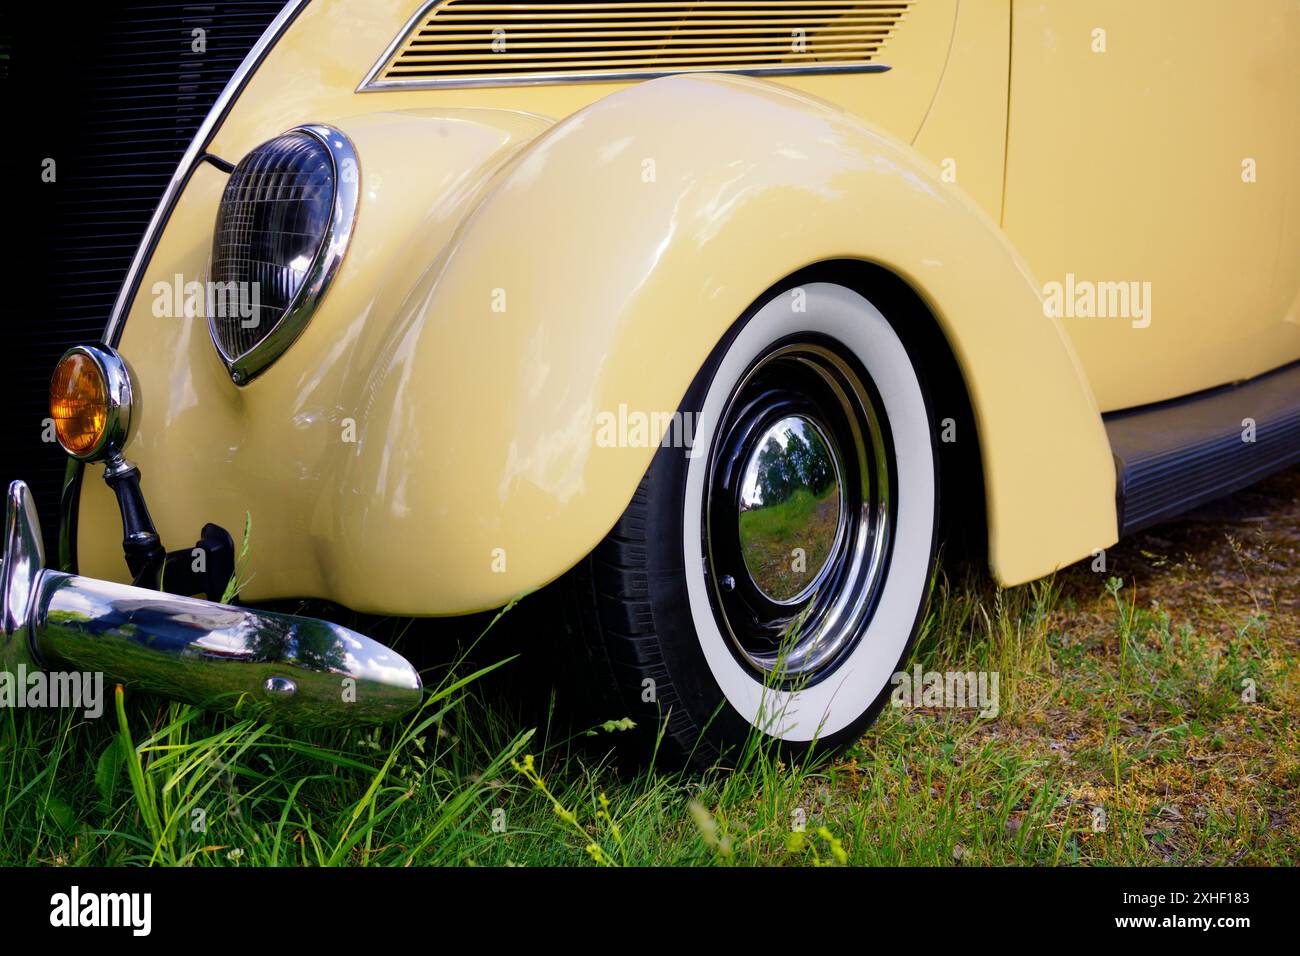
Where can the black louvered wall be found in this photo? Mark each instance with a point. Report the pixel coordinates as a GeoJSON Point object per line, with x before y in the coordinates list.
{"type": "Point", "coordinates": [114, 93]}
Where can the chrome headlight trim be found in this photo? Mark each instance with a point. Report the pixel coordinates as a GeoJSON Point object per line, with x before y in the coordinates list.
{"type": "Point", "coordinates": [117, 385]}
{"type": "Point", "coordinates": [245, 367]}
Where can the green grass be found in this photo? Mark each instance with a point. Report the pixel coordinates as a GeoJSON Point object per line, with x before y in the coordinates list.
{"type": "Point", "coordinates": [1121, 702]}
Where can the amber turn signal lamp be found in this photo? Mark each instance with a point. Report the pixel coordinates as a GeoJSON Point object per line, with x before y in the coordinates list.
{"type": "Point", "coordinates": [90, 402]}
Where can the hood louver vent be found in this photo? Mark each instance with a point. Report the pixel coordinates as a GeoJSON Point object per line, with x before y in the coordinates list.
{"type": "Point", "coordinates": [497, 43]}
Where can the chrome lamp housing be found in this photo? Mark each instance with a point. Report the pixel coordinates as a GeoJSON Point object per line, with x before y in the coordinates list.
{"type": "Point", "coordinates": [105, 367]}
{"type": "Point", "coordinates": [283, 225]}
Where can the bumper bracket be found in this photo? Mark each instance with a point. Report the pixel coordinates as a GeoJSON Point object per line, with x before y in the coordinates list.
{"type": "Point", "coordinates": [300, 669]}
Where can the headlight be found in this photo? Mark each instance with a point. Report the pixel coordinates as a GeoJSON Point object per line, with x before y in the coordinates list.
{"type": "Point", "coordinates": [90, 402]}
{"type": "Point", "coordinates": [284, 222]}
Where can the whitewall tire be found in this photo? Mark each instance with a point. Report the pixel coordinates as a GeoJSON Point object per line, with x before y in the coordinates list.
{"type": "Point", "coordinates": [772, 577]}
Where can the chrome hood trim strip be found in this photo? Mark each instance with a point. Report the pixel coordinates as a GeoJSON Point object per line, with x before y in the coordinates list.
{"type": "Point", "coordinates": [193, 155]}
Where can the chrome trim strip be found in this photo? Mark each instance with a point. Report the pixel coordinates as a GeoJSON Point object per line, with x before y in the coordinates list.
{"type": "Point", "coordinates": [347, 192]}
{"type": "Point", "coordinates": [69, 507]}
{"type": "Point", "coordinates": [554, 79]}
{"type": "Point", "coordinates": [193, 155]}
{"type": "Point", "coordinates": [394, 46]}
{"type": "Point", "coordinates": [371, 84]}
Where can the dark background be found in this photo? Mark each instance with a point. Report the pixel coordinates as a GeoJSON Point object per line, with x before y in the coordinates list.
{"type": "Point", "coordinates": [113, 93]}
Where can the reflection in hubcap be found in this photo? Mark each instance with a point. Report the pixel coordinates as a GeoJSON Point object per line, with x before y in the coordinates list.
{"type": "Point", "coordinates": [789, 508]}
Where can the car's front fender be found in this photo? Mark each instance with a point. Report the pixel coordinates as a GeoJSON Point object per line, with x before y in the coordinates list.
{"type": "Point", "coordinates": [430, 445]}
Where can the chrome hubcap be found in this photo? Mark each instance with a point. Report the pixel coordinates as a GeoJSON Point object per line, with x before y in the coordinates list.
{"type": "Point", "coordinates": [798, 511]}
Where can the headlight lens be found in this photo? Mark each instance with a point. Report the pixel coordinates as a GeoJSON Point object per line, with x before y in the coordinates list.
{"type": "Point", "coordinates": [90, 402]}
{"type": "Point", "coordinates": [283, 224]}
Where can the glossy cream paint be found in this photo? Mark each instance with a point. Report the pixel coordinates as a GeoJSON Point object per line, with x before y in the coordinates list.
{"type": "Point", "coordinates": [1158, 142]}
{"type": "Point", "coordinates": [428, 445]}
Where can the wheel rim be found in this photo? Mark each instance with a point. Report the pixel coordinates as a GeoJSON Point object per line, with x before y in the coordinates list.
{"type": "Point", "coordinates": [798, 511]}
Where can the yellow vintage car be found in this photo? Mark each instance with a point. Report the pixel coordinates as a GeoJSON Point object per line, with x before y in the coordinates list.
{"type": "Point", "coordinates": [704, 312]}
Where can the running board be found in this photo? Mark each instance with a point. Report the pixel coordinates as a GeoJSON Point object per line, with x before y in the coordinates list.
{"type": "Point", "coordinates": [1177, 455]}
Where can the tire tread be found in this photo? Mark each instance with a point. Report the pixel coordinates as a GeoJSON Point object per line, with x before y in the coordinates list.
{"type": "Point", "coordinates": [614, 619]}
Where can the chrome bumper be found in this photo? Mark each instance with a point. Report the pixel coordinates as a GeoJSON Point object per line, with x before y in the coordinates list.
{"type": "Point", "coordinates": [299, 669]}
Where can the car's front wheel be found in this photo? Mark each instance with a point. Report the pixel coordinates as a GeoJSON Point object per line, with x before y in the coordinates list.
{"type": "Point", "coordinates": [770, 578]}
